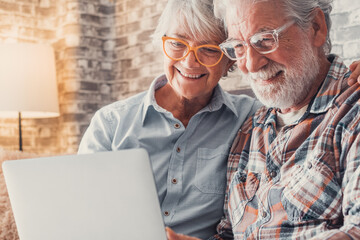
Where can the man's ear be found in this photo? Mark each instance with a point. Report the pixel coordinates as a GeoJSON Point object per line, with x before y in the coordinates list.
{"type": "Point", "coordinates": [318, 28]}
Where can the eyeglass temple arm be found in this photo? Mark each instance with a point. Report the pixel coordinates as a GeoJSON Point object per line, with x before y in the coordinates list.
{"type": "Point", "coordinates": [284, 27]}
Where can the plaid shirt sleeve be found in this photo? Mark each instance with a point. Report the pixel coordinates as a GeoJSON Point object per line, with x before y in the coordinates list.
{"type": "Point", "coordinates": [351, 184]}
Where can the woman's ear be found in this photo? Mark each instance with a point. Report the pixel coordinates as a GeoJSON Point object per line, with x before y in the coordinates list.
{"type": "Point", "coordinates": [319, 28]}
{"type": "Point", "coordinates": [229, 66]}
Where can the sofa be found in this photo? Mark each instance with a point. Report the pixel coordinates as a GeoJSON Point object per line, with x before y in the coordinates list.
{"type": "Point", "coordinates": [8, 229]}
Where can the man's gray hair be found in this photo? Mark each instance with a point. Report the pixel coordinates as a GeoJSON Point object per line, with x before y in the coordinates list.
{"type": "Point", "coordinates": [299, 10]}
{"type": "Point", "coordinates": [195, 16]}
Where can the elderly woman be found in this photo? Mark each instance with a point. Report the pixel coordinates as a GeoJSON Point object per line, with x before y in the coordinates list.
{"type": "Point", "coordinates": [185, 120]}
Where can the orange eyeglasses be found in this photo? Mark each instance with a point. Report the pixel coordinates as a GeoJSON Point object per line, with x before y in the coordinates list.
{"type": "Point", "coordinates": [177, 49]}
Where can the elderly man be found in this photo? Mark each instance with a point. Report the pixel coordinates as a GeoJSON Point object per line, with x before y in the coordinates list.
{"type": "Point", "coordinates": [293, 170]}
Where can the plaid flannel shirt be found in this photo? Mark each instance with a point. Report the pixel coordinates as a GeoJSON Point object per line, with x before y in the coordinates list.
{"type": "Point", "coordinates": [301, 182]}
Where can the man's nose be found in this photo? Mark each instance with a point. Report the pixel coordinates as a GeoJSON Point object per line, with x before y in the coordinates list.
{"type": "Point", "coordinates": [254, 60]}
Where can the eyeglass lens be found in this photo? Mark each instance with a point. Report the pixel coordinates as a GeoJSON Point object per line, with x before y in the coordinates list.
{"type": "Point", "coordinates": [263, 43]}
{"type": "Point", "coordinates": [206, 55]}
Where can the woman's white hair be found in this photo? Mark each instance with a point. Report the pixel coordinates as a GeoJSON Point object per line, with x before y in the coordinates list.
{"type": "Point", "coordinates": [195, 16]}
{"type": "Point", "coordinates": [299, 10]}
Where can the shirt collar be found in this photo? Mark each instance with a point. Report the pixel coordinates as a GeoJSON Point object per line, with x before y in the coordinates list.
{"type": "Point", "coordinates": [330, 89]}
{"type": "Point", "coordinates": [149, 100]}
{"type": "Point", "coordinates": [219, 98]}
{"type": "Point", "coordinates": [332, 86]}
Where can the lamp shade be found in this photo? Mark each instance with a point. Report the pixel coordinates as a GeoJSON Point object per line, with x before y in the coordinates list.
{"type": "Point", "coordinates": [28, 81]}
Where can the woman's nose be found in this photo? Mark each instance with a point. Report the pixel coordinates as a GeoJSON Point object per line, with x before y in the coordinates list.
{"type": "Point", "coordinates": [190, 60]}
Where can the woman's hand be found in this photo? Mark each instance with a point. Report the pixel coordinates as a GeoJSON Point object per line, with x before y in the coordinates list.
{"type": "Point", "coordinates": [355, 75]}
{"type": "Point", "coordinates": [171, 235]}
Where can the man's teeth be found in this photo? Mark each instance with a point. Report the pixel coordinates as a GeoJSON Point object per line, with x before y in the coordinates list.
{"type": "Point", "coordinates": [195, 76]}
{"type": "Point", "coordinates": [264, 76]}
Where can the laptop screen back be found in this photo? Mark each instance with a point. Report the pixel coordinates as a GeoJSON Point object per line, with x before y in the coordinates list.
{"type": "Point", "coordinates": [107, 195]}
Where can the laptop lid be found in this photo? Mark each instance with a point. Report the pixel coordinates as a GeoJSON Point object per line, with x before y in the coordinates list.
{"type": "Point", "coordinates": [106, 195]}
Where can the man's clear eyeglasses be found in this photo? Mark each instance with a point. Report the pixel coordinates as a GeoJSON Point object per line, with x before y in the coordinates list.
{"type": "Point", "coordinates": [177, 49]}
{"type": "Point", "coordinates": [263, 42]}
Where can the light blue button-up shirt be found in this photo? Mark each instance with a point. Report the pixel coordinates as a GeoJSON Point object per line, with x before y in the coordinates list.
{"type": "Point", "coordinates": [189, 163]}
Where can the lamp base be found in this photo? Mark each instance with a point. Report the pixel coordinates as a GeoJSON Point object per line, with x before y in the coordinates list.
{"type": "Point", "coordinates": [20, 134]}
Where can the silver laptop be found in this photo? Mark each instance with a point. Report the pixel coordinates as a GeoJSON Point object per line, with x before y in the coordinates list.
{"type": "Point", "coordinates": [107, 195]}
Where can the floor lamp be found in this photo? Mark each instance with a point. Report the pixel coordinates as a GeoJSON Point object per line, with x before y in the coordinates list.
{"type": "Point", "coordinates": [28, 86]}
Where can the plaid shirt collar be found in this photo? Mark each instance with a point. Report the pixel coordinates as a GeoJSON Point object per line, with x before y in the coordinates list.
{"type": "Point", "coordinates": [330, 89]}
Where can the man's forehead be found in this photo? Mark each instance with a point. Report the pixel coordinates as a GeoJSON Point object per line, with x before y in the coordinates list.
{"type": "Point", "coordinates": [242, 10]}
{"type": "Point", "coordinates": [250, 14]}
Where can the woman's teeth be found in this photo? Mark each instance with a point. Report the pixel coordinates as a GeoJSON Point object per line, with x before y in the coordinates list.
{"type": "Point", "coordinates": [194, 76]}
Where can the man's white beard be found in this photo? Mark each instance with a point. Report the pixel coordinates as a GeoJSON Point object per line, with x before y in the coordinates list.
{"type": "Point", "coordinates": [295, 84]}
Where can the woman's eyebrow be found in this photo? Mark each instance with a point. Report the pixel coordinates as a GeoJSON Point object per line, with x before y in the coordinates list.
{"type": "Point", "coordinates": [187, 39]}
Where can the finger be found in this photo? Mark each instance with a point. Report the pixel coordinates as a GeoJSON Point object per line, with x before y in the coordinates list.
{"type": "Point", "coordinates": [351, 81]}
{"type": "Point", "coordinates": [355, 75]}
{"type": "Point", "coordinates": [353, 65]}
{"type": "Point", "coordinates": [171, 235]}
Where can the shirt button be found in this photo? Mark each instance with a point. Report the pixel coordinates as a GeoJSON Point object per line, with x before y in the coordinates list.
{"type": "Point", "coordinates": [178, 149]}
{"type": "Point", "coordinates": [176, 125]}
{"type": "Point", "coordinates": [263, 214]}
{"type": "Point", "coordinates": [174, 181]}
{"type": "Point", "coordinates": [309, 166]}
{"type": "Point", "coordinates": [166, 213]}
{"type": "Point", "coordinates": [273, 174]}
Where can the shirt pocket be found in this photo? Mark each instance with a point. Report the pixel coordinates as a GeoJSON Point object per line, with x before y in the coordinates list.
{"type": "Point", "coordinates": [313, 192]}
{"type": "Point", "coordinates": [243, 188]}
{"type": "Point", "coordinates": [211, 169]}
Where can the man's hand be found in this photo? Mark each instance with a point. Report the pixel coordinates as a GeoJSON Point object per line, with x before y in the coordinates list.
{"type": "Point", "coordinates": [355, 75]}
{"type": "Point", "coordinates": [171, 235]}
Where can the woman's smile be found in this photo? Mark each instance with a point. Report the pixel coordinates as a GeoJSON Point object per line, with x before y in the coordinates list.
{"type": "Point", "coordinates": [190, 75]}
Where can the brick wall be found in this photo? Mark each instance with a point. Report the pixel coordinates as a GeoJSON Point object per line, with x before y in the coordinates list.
{"type": "Point", "coordinates": [85, 64]}
{"type": "Point", "coordinates": [104, 53]}
{"type": "Point", "coordinates": [345, 34]}
{"type": "Point", "coordinates": [81, 33]}
{"type": "Point", "coordinates": [137, 60]}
